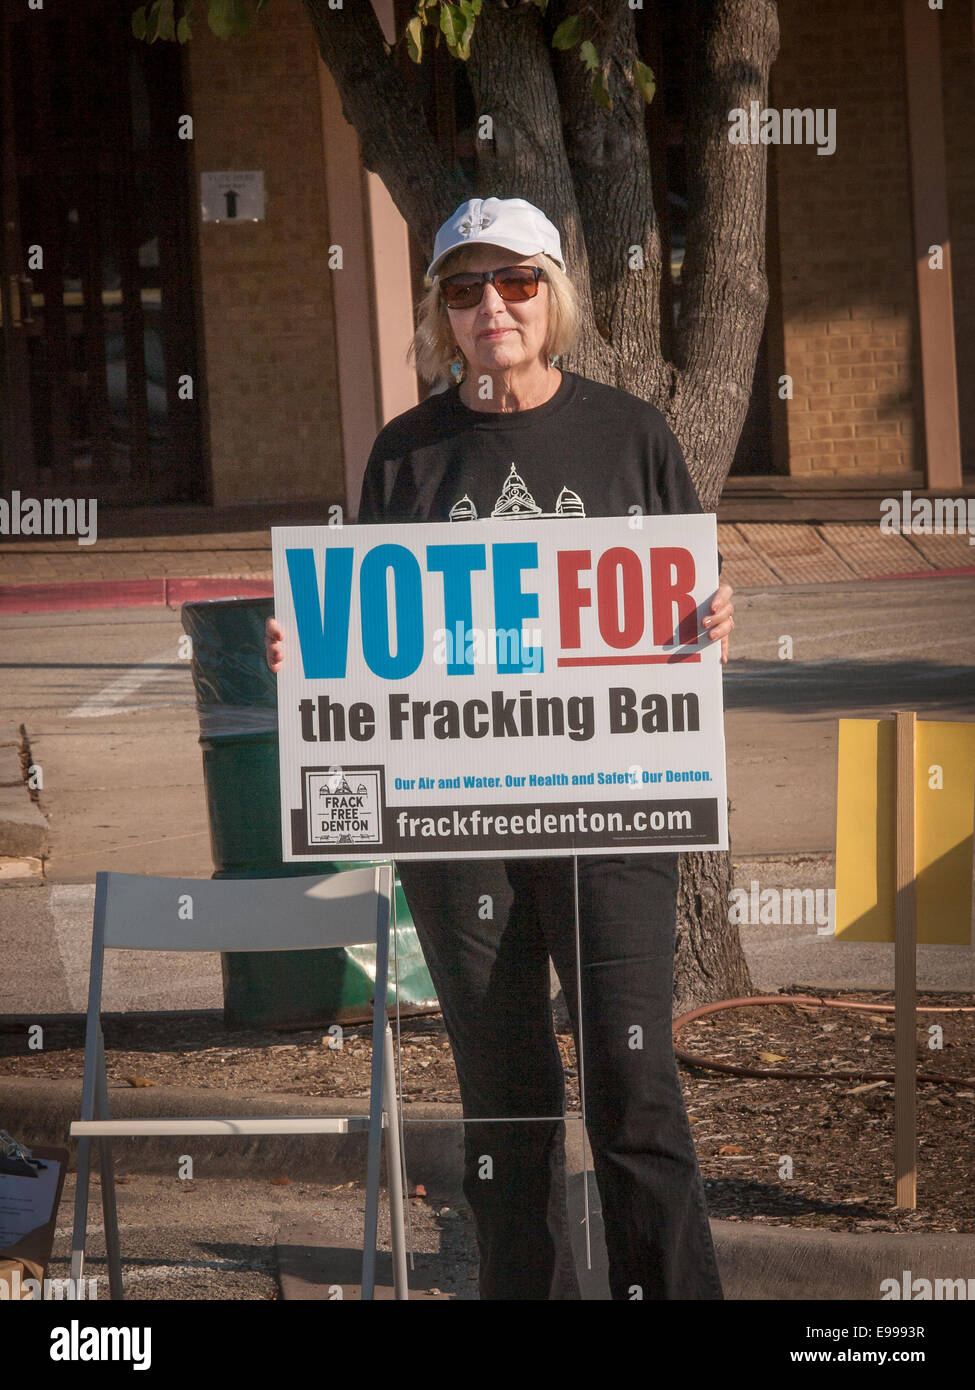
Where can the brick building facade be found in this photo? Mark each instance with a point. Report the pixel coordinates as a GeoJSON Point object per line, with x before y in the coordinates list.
{"type": "Point", "coordinates": [843, 258]}
{"type": "Point", "coordinates": [298, 358]}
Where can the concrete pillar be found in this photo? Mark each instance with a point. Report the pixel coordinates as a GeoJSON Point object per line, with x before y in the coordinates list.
{"type": "Point", "coordinates": [372, 293]}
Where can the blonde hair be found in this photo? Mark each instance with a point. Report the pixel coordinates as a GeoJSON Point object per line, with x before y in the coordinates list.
{"type": "Point", "coordinates": [433, 347]}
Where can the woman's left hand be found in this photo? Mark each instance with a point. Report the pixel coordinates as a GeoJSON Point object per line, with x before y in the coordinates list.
{"type": "Point", "coordinates": [721, 621]}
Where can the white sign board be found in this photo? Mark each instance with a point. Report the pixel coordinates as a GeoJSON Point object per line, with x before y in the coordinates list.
{"type": "Point", "coordinates": [499, 689]}
{"type": "Point", "coordinates": [231, 195]}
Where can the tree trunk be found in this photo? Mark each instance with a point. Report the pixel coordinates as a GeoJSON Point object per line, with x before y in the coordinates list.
{"type": "Point", "coordinates": [589, 169]}
{"type": "Point", "coordinates": [387, 116]}
{"type": "Point", "coordinates": [724, 291]}
{"type": "Point", "coordinates": [724, 295]}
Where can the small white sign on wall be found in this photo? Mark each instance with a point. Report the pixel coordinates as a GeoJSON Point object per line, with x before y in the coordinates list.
{"type": "Point", "coordinates": [232, 195]}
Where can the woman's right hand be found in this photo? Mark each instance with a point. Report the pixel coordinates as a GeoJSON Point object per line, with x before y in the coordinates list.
{"type": "Point", "coordinates": [274, 644]}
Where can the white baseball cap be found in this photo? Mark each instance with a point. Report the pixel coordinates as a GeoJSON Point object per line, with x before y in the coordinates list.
{"type": "Point", "coordinates": [509, 223]}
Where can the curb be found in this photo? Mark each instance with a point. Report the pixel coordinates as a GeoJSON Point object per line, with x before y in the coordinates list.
{"type": "Point", "coordinates": [165, 592]}
{"type": "Point", "coordinates": [41, 1114]}
{"type": "Point", "coordinates": [23, 830]}
{"type": "Point", "coordinates": [956, 573]}
{"type": "Point", "coordinates": [72, 596]}
{"type": "Point", "coordinates": [756, 1263]}
{"type": "Point", "coordinates": [790, 1263]}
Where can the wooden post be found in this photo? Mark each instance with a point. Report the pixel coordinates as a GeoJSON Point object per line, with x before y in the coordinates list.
{"type": "Point", "coordinates": [905, 965]}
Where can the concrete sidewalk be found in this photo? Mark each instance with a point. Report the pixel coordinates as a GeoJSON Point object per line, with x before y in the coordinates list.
{"type": "Point", "coordinates": [168, 559]}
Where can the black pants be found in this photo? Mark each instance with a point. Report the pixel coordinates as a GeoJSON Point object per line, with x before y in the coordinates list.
{"type": "Point", "coordinates": [487, 929]}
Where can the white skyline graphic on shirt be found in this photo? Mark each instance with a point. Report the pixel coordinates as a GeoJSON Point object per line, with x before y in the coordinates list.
{"type": "Point", "coordinates": [515, 500]}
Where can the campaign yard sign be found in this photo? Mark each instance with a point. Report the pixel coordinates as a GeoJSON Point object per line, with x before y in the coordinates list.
{"type": "Point", "coordinates": [513, 689]}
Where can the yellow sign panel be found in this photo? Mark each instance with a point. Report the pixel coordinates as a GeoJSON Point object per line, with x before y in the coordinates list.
{"type": "Point", "coordinates": [944, 810]}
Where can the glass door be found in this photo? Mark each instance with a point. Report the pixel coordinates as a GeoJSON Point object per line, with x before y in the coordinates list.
{"type": "Point", "coordinates": [100, 371]}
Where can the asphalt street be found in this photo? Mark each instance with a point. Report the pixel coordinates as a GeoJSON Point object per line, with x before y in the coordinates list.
{"type": "Point", "coordinates": [108, 704]}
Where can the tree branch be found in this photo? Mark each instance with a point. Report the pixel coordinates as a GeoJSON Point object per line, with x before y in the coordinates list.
{"type": "Point", "coordinates": [387, 116]}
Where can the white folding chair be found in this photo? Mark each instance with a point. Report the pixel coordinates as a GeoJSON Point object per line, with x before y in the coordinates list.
{"type": "Point", "coordinates": [138, 913]}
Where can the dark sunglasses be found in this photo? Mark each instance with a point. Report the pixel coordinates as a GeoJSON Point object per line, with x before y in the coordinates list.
{"type": "Point", "coordinates": [514, 283]}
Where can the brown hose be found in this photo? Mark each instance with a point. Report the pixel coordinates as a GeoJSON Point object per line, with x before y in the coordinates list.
{"type": "Point", "coordinates": [712, 1064]}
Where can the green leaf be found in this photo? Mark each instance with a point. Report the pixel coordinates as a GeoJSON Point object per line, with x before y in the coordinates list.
{"type": "Point", "coordinates": [452, 24]}
{"type": "Point", "coordinates": [600, 90]}
{"type": "Point", "coordinates": [476, 6]}
{"type": "Point", "coordinates": [152, 22]}
{"type": "Point", "coordinates": [542, 5]}
{"type": "Point", "coordinates": [139, 23]}
{"type": "Point", "coordinates": [569, 32]}
{"type": "Point", "coordinates": [414, 38]}
{"type": "Point", "coordinates": [229, 19]}
{"type": "Point", "coordinates": [470, 14]}
{"type": "Point", "coordinates": [183, 31]}
{"type": "Point", "coordinates": [588, 54]}
{"type": "Point", "coordinates": [166, 23]}
{"type": "Point", "coordinates": [644, 79]}
{"type": "Point", "coordinates": [457, 26]}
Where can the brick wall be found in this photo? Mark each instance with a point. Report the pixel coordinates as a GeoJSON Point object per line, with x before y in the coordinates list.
{"type": "Point", "coordinates": [845, 256]}
{"type": "Point", "coordinates": [275, 431]}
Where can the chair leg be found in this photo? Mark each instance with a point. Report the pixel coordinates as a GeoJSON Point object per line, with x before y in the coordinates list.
{"type": "Point", "coordinates": [79, 1239]}
{"type": "Point", "coordinates": [394, 1171]}
{"type": "Point", "coordinates": [374, 1155]}
{"type": "Point", "coordinates": [110, 1217]}
{"type": "Point", "coordinates": [380, 1028]}
{"type": "Point", "coordinates": [109, 1206]}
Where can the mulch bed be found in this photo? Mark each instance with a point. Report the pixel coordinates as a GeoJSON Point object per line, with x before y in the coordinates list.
{"type": "Point", "coordinates": [838, 1133]}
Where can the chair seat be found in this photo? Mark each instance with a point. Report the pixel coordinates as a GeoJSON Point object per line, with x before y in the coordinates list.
{"type": "Point", "coordinates": [228, 1124]}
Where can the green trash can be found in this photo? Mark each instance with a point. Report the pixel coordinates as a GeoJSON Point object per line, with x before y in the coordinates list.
{"type": "Point", "coordinates": [237, 707]}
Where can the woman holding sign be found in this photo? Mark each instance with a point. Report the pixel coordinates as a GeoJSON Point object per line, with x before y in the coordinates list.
{"type": "Point", "coordinates": [514, 436]}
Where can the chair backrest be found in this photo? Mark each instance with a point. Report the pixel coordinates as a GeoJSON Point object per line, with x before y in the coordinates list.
{"type": "Point", "coordinates": [137, 912]}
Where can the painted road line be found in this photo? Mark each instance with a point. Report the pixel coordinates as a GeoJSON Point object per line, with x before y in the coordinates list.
{"type": "Point", "coordinates": [110, 699]}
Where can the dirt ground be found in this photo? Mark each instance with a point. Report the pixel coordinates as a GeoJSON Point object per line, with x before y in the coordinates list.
{"type": "Point", "coordinates": [812, 1153]}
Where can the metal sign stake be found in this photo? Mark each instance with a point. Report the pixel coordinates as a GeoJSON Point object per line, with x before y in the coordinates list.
{"type": "Point", "coordinates": [905, 965]}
